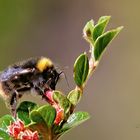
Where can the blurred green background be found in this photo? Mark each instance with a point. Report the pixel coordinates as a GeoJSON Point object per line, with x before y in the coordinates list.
{"type": "Point", "coordinates": [53, 28]}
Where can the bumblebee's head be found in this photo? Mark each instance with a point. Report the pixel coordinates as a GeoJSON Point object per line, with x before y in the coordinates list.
{"type": "Point", "coordinates": [48, 71]}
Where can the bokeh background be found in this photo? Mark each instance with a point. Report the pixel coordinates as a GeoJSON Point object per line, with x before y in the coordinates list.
{"type": "Point", "coordinates": [30, 28]}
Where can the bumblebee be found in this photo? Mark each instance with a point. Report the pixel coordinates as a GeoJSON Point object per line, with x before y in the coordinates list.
{"type": "Point", "coordinates": [38, 74]}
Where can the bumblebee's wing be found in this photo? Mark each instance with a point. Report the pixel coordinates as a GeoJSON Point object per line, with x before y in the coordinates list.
{"type": "Point", "coordinates": [29, 63]}
{"type": "Point", "coordinates": [11, 73]}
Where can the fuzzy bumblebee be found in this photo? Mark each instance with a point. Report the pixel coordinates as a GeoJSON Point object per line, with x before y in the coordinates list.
{"type": "Point", "coordinates": [38, 74]}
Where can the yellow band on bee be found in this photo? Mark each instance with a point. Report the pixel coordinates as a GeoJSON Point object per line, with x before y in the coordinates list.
{"type": "Point", "coordinates": [44, 63]}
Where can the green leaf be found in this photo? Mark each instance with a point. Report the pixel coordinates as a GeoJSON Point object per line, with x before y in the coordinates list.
{"type": "Point", "coordinates": [48, 113]}
{"type": "Point", "coordinates": [100, 27]}
{"type": "Point", "coordinates": [5, 121]}
{"type": "Point", "coordinates": [62, 101]}
{"type": "Point", "coordinates": [88, 29]}
{"type": "Point", "coordinates": [4, 135]}
{"type": "Point", "coordinates": [43, 120]}
{"type": "Point", "coordinates": [24, 109]}
{"type": "Point", "coordinates": [74, 120]}
{"type": "Point", "coordinates": [45, 114]}
{"type": "Point", "coordinates": [74, 96]}
{"type": "Point", "coordinates": [35, 116]}
{"type": "Point", "coordinates": [81, 68]}
{"type": "Point", "coordinates": [38, 124]}
{"type": "Point", "coordinates": [102, 42]}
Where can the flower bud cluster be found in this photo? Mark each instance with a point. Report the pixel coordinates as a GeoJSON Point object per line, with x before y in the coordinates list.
{"type": "Point", "coordinates": [18, 131]}
{"type": "Point", "coordinates": [59, 109]}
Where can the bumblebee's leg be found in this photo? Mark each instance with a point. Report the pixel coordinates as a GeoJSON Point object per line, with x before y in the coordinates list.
{"type": "Point", "coordinates": [13, 103]}
{"type": "Point", "coordinates": [38, 90]}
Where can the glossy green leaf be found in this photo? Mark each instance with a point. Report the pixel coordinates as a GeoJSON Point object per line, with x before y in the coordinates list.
{"type": "Point", "coordinates": [100, 27]}
{"type": "Point", "coordinates": [102, 42]}
{"type": "Point", "coordinates": [74, 96]}
{"type": "Point", "coordinates": [43, 120]}
{"type": "Point", "coordinates": [5, 121]}
{"type": "Point", "coordinates": [81, 68]}
{"type": "Point", "coordinates": [35, 116]}
{"type": "Point", "coordinates": [45, 114]}
{"type": "Point", "coordinates": [62, 101]}
{"type": "Point", "coordinates": [48, 113]}
{"type": "Point", "coordinates": [24, 109]}
{"type": "Point", "coordinates": [4, 135]}
{"type": "Point", "coordinates": [74, 120]}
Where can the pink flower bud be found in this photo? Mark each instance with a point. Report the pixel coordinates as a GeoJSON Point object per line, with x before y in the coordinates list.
{"type": "Point", "coordinates": [49, 95]}
{"type": "Point", "coordinates": [59, 110]}
{"type": "Point", "coordinates": [59, 116]}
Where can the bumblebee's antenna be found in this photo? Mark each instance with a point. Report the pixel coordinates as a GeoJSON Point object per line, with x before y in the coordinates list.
{"type": "Point", "coordinates": [62, 72]}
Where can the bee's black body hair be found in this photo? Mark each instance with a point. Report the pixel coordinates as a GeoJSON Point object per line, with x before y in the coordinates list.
{"type": "Point", "coordinates": [27, 75]}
